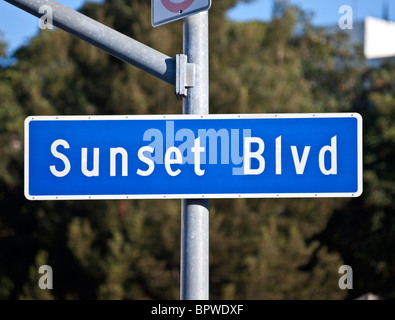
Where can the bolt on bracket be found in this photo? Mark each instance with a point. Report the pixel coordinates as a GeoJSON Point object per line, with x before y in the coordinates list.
{"type": "Point", "coordinates": [185, 76]}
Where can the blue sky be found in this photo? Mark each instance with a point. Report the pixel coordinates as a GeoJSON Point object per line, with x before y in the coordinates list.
{"type": "Point", "coordinates": [18, 26]}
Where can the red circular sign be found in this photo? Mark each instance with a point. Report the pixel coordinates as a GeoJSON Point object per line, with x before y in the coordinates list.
{"type": "Point", "coordinates": [177, 7]}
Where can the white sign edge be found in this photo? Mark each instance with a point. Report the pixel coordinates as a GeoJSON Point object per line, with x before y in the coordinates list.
{"type": "Point", "coordinates": [199, 196]}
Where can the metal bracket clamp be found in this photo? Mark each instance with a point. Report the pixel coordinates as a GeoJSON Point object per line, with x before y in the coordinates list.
{"type": "Point", "coordinates": [185, 76]}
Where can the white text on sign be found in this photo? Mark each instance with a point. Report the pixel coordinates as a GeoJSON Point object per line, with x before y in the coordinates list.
{"type": "Point", "coordinates": [199, 151]}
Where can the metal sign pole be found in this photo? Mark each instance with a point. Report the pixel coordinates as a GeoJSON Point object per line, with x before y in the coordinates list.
{"type": "Point", "coordinates": [194, 276]}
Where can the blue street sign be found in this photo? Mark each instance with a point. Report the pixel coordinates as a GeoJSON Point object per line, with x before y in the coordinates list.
{"type": "Point", "coordinates": [180, 156]}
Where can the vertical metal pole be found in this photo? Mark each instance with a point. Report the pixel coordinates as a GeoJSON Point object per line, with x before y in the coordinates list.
{"type": "Point", "coordinates": [194, 213]}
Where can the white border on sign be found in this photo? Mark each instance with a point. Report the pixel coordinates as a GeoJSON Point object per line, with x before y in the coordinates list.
{"type": "Point", "coordinates": [198, 196]}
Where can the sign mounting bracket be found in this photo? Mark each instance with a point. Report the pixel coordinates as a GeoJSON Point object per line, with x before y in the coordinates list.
{"type": "Point", "coordinates": [185, 76]}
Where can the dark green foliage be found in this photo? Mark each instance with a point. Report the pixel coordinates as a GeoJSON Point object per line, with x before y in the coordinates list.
{"type": "Point", "coordinates": [363, 231]}
{"type": "Point", "coordinates": [259, 248]}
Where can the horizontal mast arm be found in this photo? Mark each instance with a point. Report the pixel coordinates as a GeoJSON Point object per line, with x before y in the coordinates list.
{"type": "Point", "coordinates": [105, 38]}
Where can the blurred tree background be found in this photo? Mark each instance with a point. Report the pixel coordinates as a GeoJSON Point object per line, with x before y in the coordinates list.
{"type": "Point", "coordinates": [259, 248]}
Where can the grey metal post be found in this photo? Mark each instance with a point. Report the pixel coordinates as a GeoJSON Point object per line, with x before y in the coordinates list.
{"type": "Point", "coordinates": [194, 213]}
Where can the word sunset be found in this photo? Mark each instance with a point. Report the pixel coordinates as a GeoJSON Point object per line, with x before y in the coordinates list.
{"type": "Point", "coordinates": [304, 155]}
